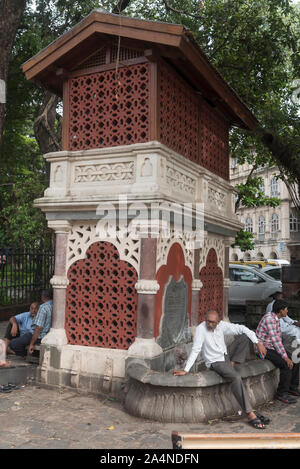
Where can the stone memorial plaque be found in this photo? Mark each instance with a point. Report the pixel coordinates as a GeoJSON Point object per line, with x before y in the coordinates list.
{"type": "Point", "coordinates": [174, 319]}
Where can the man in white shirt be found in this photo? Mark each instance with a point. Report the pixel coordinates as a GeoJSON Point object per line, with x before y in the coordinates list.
{"type": "Point", "coordinates": [209, 340]}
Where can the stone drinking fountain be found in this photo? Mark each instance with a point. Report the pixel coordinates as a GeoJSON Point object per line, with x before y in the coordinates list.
{"type": "Point", "coordinates": [153, 392]}
{"type": "Point", "coordinates": [146, 121]}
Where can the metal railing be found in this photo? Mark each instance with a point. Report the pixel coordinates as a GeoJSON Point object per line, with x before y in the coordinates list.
{"type": "Point", "coordinates": [24, 273]}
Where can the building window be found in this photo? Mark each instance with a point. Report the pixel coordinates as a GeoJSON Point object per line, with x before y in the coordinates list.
{"type": "Point", "coordinates": [274, 223]}
{"type": "Point", "coordinates": [294, 222]}
{"type": "Point", "coordinates": [274, 187]}
{"type": "Point", "coordinates": [261, 225]}
{"type": "Point", "coordinates": [249, 225]}
{"type": "Point", "coordinates": [262, 186]}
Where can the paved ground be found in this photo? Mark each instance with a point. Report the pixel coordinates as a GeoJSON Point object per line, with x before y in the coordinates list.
{"type": "Point", "coordinates": [33, 417]}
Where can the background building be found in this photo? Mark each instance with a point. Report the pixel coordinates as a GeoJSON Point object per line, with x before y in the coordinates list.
{"type": "Point", "coordinates": [276, 230]}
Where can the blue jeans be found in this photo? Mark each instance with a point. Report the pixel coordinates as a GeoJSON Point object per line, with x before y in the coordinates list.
{"type": "Point", "coordinates": [19, 344]}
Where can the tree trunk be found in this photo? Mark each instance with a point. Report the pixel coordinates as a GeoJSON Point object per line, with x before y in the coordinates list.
{"type": "Point", "coordinates": [11, 12]}
{"type": "Point", "coordinates": [47, 127]}
{"type": "Point", "coordinates": [287, 156]}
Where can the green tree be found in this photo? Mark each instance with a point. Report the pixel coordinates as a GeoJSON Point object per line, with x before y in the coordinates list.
{"type": "Point", "coordinates": [255, 45]}
{"type": "Point", "coordinates": [10, 15]}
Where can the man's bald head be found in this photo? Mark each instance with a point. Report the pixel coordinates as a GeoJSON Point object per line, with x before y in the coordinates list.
{"type": "Point", "coordinates": [212, 319]}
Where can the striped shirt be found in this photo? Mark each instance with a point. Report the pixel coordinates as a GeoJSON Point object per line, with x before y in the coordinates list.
{"type": "Point", "coordinates": [43, 318]}
{"type": "Point", "coordinates": [269, 333]}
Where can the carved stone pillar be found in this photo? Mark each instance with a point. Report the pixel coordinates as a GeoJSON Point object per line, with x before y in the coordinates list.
{"type": "Point", "coordinates": [228, 242]}
{"type": "Point", "coordinates": [147, 287]}
{"type": "Point", "coordinates": [59, 282]}
{"type": "Point", "coordinates": [196, 287]}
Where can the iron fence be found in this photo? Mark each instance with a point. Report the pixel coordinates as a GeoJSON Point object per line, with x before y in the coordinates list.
{"type": "Point", "coordinates": [24, 273]}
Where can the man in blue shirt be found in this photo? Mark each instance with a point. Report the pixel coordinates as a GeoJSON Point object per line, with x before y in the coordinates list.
{"type": "Point", "coordinates": [40, 327]}
{"type": "Point", "coordinates": [20, 324]}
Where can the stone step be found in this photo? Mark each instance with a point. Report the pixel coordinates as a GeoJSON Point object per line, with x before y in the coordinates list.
{"type": "Point", "coordinates": [20, 372]}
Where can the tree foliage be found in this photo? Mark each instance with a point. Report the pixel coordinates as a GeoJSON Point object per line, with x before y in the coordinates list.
{"type": "Point", "coordinates": [254, 45]}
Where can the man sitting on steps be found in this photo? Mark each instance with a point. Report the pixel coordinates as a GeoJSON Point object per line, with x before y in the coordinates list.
{"type": "Point", "coordinates": [40, 327]}
{"type": "Point", "coordinates": [20, 324]}
{"type": "Point", "coordinates": [209, 339]}
{"type": "Point", "coordinates": [269, 332]}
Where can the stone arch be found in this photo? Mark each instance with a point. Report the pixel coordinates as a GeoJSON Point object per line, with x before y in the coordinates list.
{"type": "Point", "coordinates": [234, 257]}
{"type": "Point", "coordinates": [175, 267]}
{"type": "Point", "coordinates": [273, 255]}
{"type": "Point", "coordinates": [247, 256]}
{"type": "Point", "coordinates": [212, 291]}
{"type": "Point", "coordinates": [260, 256]}
{"type": "Point", "coordinates": [101, 301]}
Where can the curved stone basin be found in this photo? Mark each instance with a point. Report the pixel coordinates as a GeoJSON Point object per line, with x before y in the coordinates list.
{"type": "Point", "coordinates": [196, 397]}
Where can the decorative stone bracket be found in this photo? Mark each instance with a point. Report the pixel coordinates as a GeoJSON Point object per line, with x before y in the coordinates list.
{"type": "Point", "coordinates": [59, 281]}
{"type": "Point", "coordinates": [147, 287]}
{"type": "Point", "coordinates": [197, 284]}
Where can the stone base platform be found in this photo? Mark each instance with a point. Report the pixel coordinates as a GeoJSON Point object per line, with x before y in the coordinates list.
{"type": "Point", "coordinates": [87, 370]}
{"type": "Point", "coordinates": [196, 397]}
{"type": "Point", "coordinates": [20, 372]}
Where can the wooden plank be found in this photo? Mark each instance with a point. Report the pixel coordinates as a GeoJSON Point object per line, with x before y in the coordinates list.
{"type": "Point", "coordinates": [103, 68]}
{"type": "Point", "coordinates": [131, 28]}
{"type": "Point", "coordinates": [154, 102]}
{"type": "Point", "coordinates": [41, 65]}
{"type": "Point", "coordinates": [235, 440]}
{"type": "Point", "coordinates": [66, 116]}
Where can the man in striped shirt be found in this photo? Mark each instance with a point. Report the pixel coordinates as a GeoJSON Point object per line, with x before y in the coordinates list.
{"type": "Point", "coordinates": [269, 333]}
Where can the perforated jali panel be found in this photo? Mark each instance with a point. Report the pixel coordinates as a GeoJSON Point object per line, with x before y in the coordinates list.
{"type": "Point", "coordinates": [214, 135]}
{"type": "Point", "coordinates": [211, 294]}
{"type": "Point", "coordinates": [105, 111]}
{"type": "Point", "coordinates": [190, 126]}
{"type": "Point", "coordinates": [179, 114]}
{"type": "Point", "coordinates": [101, 306]}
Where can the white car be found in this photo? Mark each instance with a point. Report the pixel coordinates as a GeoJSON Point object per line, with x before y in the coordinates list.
{"type": "Point", "coordinates": [272, 271]}
{"type": "Point", "coordinates": [248, 284]}
{"type": "Point", "coordinates": [279, 261]}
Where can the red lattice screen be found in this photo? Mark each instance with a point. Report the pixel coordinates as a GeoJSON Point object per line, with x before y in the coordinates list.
{"type": "Point", "coordinates": [106, 112]}
{"type": "Point", "coordinates": [179, 114]}
{"type": "Point", "coordinates": [190, 126]}
{"type": "Point", "coordinates": [101, 306]}
{"type": "Point", "coordinates": [214, 152]}
{"type": "Point", "coordinates": [211, 294]}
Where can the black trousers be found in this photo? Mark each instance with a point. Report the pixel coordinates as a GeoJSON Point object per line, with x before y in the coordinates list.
{"type": "Point", "coordinates": [19, 344]}
{"type": "Point", "coordinates": [289, 378]}
{"type": "Point", "coordinates": [8, 332]}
